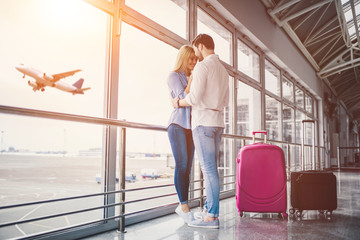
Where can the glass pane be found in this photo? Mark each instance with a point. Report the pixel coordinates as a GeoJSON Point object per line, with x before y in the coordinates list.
{"type": "Point", "coordinates": [169, 13]}
{"type": "Point", "coordinates": [308, 103]}
{"type": "Point", "coordinates": [248, 61]}
{"type": "Point", "coordinates": [222, 37]}
{"type": "Point", "coordinates": [288, 90]}
{"type": "Point", "coordinates": [273, 113]}
{"type": "Point", "coordinates": [53, 37]}
{"type": "Point", "coordinates": [299, 97]}
{"type": "Point", "coordinates": [248, 110]}
{"type": "Point", "coordinates": [143, 91]}
{"type": "Point", "coordinates": [226, 165]}
{"type": "Point", "coordinates": [228, 114]}
{"type": "Point", "coordinates": [149, 162]}
{"type": "Point", "coordinates": [272, 78]}
{"type": "Point", "coordinates": [299, 117]}
{"type": "Point", "coordinates": [47, 159]}
{"type": "Point", "coordinates": [288, 124]}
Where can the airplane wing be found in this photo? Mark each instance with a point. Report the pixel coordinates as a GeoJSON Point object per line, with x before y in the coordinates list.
{"type": "Point", "coordinates": [59, 76]}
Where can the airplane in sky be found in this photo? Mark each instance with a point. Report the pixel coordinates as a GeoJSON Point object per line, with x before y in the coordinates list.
{"type": "Point", "coordinates": [43, 80]}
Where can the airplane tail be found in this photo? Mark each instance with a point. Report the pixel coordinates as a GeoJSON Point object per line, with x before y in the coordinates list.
{"type": "Point", "coordinates": [79, 83]}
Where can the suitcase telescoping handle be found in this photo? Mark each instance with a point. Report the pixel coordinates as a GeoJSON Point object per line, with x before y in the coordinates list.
{"type": "Point", "coordinates": [260, 131]}
{"type": "Point", "coordinates": [313, 163]}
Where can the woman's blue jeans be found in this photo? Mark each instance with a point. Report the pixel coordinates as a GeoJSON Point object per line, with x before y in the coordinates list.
{"type": "Point", "coordinates": [182, 146]}
{"type": "Point", "coordinates": [207, 143]}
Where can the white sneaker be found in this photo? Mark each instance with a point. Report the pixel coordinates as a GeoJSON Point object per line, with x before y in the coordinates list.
{"type": "Point", "coordinates": [199, 215]}
{"type": "Point", "coordinates": [187, 217]}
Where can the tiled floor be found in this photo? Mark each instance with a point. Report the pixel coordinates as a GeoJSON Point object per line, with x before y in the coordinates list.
{"type": "Point", "coordinates": [344, 224]}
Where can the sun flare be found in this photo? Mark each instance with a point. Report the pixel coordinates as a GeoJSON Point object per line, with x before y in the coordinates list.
{"type": "Point", "coordinates": [62, 12]}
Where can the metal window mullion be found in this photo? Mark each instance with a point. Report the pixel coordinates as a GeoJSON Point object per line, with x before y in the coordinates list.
{"type": "Point", "coordinates": [192, 20]}
{"type": "Point", "coordinates": [111, 103]}
{"type": "Point", "coordinates": [262, 83]}
{"type": "Point", "coordinates": [281, 104]}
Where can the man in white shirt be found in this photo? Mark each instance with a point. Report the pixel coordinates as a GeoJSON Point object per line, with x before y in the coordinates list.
{"type": "Point", "coordinates": [209, 95]}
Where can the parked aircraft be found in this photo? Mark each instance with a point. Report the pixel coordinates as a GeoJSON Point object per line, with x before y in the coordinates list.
{"type": "Point", "coordinates": [43, 80]}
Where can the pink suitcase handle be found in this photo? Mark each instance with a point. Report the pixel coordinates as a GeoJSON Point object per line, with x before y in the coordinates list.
{"type": "Point", "coordinates": [263, 132]}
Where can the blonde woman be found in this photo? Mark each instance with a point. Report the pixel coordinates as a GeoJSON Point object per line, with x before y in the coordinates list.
{"type": "Point", "coordinates": [179, 128]}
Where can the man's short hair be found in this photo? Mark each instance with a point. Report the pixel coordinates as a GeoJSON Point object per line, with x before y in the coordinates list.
{"type": "Point", "coordinates": [204, 39]}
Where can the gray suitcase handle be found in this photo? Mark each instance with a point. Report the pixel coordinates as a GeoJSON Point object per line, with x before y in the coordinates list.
{"type": "Point", "coordinates": [313, 163]}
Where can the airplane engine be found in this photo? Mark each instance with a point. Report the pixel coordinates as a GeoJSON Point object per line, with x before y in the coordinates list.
{"type": "Point", "coordinates": [32, 84]}
{"type": "Point", "coordinates": [48, 77]}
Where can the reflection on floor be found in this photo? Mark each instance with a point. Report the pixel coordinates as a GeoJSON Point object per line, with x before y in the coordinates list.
{"type": "Point", "coordinates": [344, 223]}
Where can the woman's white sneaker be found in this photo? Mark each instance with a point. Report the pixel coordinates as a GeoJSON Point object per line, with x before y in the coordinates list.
{"type": "Point", "coordinates": [187, 217]}
{"type": "Point", "coordinates": [199, 215]}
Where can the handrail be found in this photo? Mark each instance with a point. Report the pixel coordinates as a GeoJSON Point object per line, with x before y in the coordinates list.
{"type": "Point", "coordinates": [107, 121]}
{"type": "Point", "coordinates": [78, 118]}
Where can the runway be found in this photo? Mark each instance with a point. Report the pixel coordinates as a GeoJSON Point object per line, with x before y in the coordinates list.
{"type": "Point", "coordinates": [33, 178]}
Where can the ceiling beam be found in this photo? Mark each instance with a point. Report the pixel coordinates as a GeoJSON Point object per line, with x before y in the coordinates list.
{"type": "Point", "coordinates": [305, 10]}
{"type": "Point", "coordinates": [321, 33]}
{"type": "Point", "coordinates": [355, 21]}
{"type": "Point", "coordinates": [354, 104]}
{"type": "Point", "coordinates": [338, 64]}
{"type": "Point", "coordinates": [281, 6]}
{"type": "Point", "coordinates": [296, 40]}
{"type": "Point", "coordinates": [333, 40]}
{"type": "Point", "coordinates": [317, 23]}
{"type": "Point", "coordinates": [346, 90]}
{"type": "Point", "coordinates": [339, 80]}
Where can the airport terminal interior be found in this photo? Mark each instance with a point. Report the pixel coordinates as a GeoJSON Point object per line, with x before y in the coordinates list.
{"type": "Point", "coordinates": [85, 105]}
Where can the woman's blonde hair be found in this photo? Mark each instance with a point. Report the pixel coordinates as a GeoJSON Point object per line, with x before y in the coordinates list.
{"type": "Point", "coordinates": [183, 57]}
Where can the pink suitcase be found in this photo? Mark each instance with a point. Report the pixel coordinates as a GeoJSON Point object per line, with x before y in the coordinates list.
{"type": "Point", "coordinates": [261, 178]}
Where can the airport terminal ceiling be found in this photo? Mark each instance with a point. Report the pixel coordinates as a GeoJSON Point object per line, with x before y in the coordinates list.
{"type": "Point", "coordinates": [328, 35]}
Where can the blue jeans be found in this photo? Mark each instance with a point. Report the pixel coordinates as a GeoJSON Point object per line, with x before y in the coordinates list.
{"type": "Point", "coordinates": [182, 146]}
{"type": "Point", "coordinates": [207, 144]}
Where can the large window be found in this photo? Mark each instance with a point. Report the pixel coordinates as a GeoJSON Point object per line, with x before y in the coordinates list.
{"type": "Point", "coordinates": [169, 13]}
{"type": "Point", "coordinates": [248, 61]}
{"type": "Point", "coordinates": [46, 159]}
{"type": "Point", "coordinates": [222, 37]}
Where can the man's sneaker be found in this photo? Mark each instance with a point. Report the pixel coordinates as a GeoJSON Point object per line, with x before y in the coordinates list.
{"type": "Point", "coordinates": [199, 215]}
{"type": "Point", "coordinates": [187, 217]}
{"type": "Point", "coordinates": [201, 224]}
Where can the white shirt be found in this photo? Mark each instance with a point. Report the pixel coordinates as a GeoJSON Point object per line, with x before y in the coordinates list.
{"type": "Point", "coordinates": [209, 93]}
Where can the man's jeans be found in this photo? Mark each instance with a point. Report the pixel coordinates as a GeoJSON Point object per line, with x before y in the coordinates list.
{"type": "Point", "coordinates": [182, 146]}
{"type": "Point", "coordinates": [207, 142]}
